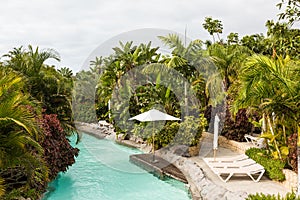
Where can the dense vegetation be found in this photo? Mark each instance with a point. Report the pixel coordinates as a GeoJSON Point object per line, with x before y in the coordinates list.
{"type": "Point", "coordinates": [288, 196]}
{"type": "Point", "coordinates": [251, 83]}
{"type": "Point", "coordinates": [35, 118]}
{"type": "Point", "coordinates": [273, 167]}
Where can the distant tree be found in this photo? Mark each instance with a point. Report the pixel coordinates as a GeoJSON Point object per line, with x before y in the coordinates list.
{"type": "Point", "coordinates": [97, 65]}
{"type": "Point", "coordinates": [282, 39]}
{"type": "Point", "coordinates": [65, 72]}
{"type": "Point", "coordinates": [213, 26]}
{"type": "Point", "coordinates": [124, 58]}
{"type": "Point", "coordinates": [291, 12]}
{"type": "Point", "coordinates": [233, 38]}
{"type": "Point", "coordinates": [256, 43]}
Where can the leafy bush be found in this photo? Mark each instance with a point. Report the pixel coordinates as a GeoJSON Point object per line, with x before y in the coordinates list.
{"type": "Point", "coordinates": [261, 196]}
{"type": "Point", "coordinates": [193, 129]}
{"type": "Point", "coordinates": [188, 132]}
{"type": "Point", "coordinates": [235, 129]}
{"type": "Point", "coordinates": [85, 112]}
{"type": "Point", "coordinates": [59, 154]}
{"type": "Point", "coordinates": [272, 166]}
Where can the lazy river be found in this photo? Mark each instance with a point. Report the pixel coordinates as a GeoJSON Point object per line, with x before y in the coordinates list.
{"type": "Point", "coordinates": [103, 172]}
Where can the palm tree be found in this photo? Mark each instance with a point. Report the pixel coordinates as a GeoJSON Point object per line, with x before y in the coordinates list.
{"type": "Point", "coordinates": [18, 126]}
{"type": "Point", "coordinates": [30, 63]}
{"type": "Point", "coordinates": [66, 72]}
{"type": "Point", "coordinates": [271, 86]}
{"type": "Point", "coordinates": [213, 26]}
{"type": "Point", "coordinates": [186, 61]}
{"type": "Point", "coordinates": [264, 80]}
{"type": "Point", "coordinates": [228, 60]}
{"type": "Point", "coordinates": [124, 58]}
{"type": "Point", "coordinates": [52, 88]}
{"type": "Point", "coordinates": [182, 54]}
{"type": "Point", "coordinates": [97, 65]}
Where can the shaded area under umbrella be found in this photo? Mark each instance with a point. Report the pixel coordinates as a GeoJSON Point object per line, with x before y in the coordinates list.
{"type": "Point", "coordinates": [152, 116]}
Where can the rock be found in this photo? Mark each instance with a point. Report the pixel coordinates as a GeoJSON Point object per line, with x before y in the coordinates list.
{"type": "Point", "coordinates": [180, 150]}
{"type": "Point", "coordinates": [194, 151]}
{"type": "Point", "coordinates": [120, 136]}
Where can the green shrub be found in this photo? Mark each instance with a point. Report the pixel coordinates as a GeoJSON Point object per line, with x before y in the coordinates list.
{"type": "Point", "coordinates": [235, 129]}
{"type": "Point", "coordinates": [272, 166]}
{"type": "Point", "coordinates": [84, 112]}
{"type": "Point", "coordinates": [261, 196]}
{"type": "Point", "coordinates": [187, 132]}
{"type": "Point", "coordinates": [193, 128]}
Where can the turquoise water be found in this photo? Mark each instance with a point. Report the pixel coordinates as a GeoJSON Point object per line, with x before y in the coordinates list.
{"type": "Point", "coordinates": [103, 172]}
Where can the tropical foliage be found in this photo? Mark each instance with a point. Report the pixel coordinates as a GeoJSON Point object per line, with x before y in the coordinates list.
{"type": "Point", "coordinates": [273, 167]}
{"type": "Point", "coordinates": [260, 196]}
{"type": "Point", "coordinates": [32, 94]}
{"type": "Point", "coordinates": [59, 154]}
{"type": "Point", "coordinates": [258, 74]}
{"type": "Point", "coordinates": [47, 85]}
{"type": "Point", "coordinates": [291, 12]}
{"type": "Point", "coordinates": [252, 83]}
{"type": "Point", "coordinates": [19, 131]}
{"type": "Point", "coordinates": [278, 103]}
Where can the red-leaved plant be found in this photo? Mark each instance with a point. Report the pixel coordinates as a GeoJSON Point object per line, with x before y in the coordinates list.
{"type": "Point", "coordinates": [58, 153]}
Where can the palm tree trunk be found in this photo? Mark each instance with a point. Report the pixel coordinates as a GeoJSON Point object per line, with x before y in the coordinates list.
{"type": "Point", "coordinates": [213, 38]}
{"type": "Point", "coordinates": [219, 37]}
{"type": "Point", "coordinates": [264, 129]}
{"type": "Point", "coordinates": [186, 99]}
{"type": "Point", "coordinates": [283, 129]}
{"type": "Point", "coordinates": [275, 141]}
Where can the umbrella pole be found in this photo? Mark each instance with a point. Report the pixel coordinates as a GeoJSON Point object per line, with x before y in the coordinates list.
{"type": "Point", "coordinates": [153, 151]}
{"type": "Point", "coordinates": [215, 153]}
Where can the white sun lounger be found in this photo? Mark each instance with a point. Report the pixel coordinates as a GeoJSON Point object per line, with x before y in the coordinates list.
{"type": "Point", "coordinates": [245, 166]}
{"type": "Point", "coordinates": [227, 159]}
{"type": "Point", "coordinates": [245, 162]}
{"type": "Point", "coordinates": [257, 141]}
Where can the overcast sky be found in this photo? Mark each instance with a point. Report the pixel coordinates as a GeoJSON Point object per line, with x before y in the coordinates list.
{"type": "Point", "coordinates": [76, 28]}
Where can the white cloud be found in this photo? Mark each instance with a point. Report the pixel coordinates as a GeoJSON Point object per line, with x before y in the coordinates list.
{"type": "Point", "coordinates": [75, 28]}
